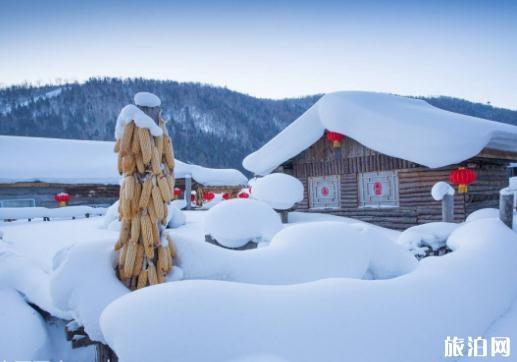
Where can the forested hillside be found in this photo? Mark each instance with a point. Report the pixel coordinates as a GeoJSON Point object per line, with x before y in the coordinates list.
{"type": "Point", "coordinates": [211, 126]}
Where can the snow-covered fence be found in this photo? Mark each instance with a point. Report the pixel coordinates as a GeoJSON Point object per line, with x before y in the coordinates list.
{"type": "Point", "coordinates": [16, 213]}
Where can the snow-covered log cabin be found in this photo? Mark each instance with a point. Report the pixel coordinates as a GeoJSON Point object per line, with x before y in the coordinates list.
{"type": "Point", "coordinates": [33, 170]}
{"type": "Point", "coordinates": [392, 151]}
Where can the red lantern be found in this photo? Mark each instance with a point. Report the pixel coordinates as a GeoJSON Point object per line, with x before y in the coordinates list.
{"type": "Point", "coordinates": [462, 177]}
{"type": "Point", "coordinates": [177, 192]}
{"type": "Point", "coordinates": [226, 196]}
{"type": "Point", "coordinates": [192, 197]}
{"type": "Point", "coordinates": [335, 138]}
{"type": "Point", "coordinates": [208, 196]}
{"type": "Point", "coordinates": [62, 198]}
{"type": "Point", "coordinates": [243, 195]}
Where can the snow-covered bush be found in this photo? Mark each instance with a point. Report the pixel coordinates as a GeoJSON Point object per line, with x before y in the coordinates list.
{"type": "Point", "coordinates": [299, 253]}
{"type": "Point", "coordinates": [233, 223]}
{"type": "Point", "coordinates": [487, 213]}
{"type": "Point", "coordinates": [279, 190]}
{"type": "Point", "coordinates": [420, 239]}
{"type": "Point", "coordinates": [326, 319]}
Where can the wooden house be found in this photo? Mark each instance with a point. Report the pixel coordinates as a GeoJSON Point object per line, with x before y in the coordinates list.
{"type": "Point", "coordinates": [33, 170]}
{"type": "Point", "coordinates": [388, 185]}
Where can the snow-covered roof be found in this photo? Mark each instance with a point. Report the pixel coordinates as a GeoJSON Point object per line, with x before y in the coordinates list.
{"type": "Point", "coordinates": [397, 126]}
{"type": "Point", "coordinates": [26, 159]}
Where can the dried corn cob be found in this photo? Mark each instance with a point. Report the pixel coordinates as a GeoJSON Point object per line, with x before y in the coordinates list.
{"type": "Point", "coordinates": [139, 260]}
{"type": "Point", "coordinates": [171, 182]}
{"type": "Point", "coordinates": [135, 143]}
{"type": "Point", "coordinates": [129, 263]}
{"type": "Point", "coordinates": [151, 212]}
{"type": "Point", "coordinates": [156, 233]}
{"type": "Point", "coordinates": [128, 164]}
{"type": "Point", "coordinates": [146, 193]}
{"type": "Point", "coordinates": [129, 187]}
{"type": "Point", "coordinates": [142, 279]}
{"type": "Point", "coordinates": [157, 202]}
{"type": "Point", "coordinates": [172, 249]}
{"type": "Point", "coordinates": [125, 141]}
{"type": "Point", "coordinates": [158, 141]}
{"type": "Point", "coordinates": [119, 164]}
{"type": "Point", "coordinates": [163, 259]}
{"type": "Point", "coordinates": [147, 235]}
{"type": "Point", "coordinates": [155, 161]}
{"type": "Point", "coordinates": [151, 274]}
{"type": "Point", "coordinates": [139, 162]}
{"type": "Point", "coordinates": [125, 229]}
{"type": "Point", "coordinates": [122, 256]}
{"type": "Point", "coordinates": [135, 228]}
{"type": "Point", "coordinates": [145, 144]}
{"type": "Point", "coordinates": [168, 152]}
{"type": "Point", "coordinates": [164, 188]}
{"type": "Point", "coordinates": [136, 199]}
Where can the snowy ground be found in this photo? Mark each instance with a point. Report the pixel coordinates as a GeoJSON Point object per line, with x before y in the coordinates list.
{"type": "Point", "coordinates": [306, 296]}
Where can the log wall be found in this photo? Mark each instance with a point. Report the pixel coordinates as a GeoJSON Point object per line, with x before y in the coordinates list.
{"type": "Point", "coordinates": [416, 206]}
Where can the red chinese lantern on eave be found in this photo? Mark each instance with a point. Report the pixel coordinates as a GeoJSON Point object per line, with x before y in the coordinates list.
{"type": "Point", "coordinates": [208, 196]}
{"type": "Point", "coordinates": [177, 192]}
{"type": "Point", "coordinates": [226, 196]}
{"type": "Point", "coordinates": [243, 195]}
{"type": "Point", "coordinates": [62, 198]}
{"type": "Point", "coordinates": [336, 138]}
{"type": "Point", "coordinates": [462, 177]}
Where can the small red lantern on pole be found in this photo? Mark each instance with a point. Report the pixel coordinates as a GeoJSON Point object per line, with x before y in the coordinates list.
{"type": "Point", "coordinates": [62, 198]}
{"type": "Point", "coordinates": [336, 138]}
{"type": "Point", "coordinates": [462, 177]}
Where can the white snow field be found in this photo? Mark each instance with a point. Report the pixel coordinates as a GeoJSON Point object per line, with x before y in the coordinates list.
{"type": "Point", "coordinates": [83, 162]}
{"type": "Point", "coordinates": [386, 123]}
{"type": "Point", "coordinates": [325, 288]}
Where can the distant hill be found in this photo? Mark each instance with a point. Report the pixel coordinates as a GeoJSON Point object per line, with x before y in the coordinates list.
{"type": "Point", "coordinates": [211, 126]}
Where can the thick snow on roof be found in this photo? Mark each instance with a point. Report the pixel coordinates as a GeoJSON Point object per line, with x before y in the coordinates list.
{"type": "Point", "coordinates": [25, 159]}
{"type": "Point", "coordinates": [397, 126]}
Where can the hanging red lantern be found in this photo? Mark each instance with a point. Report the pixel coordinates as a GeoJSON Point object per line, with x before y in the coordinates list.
{"type": "Point", "coordinates": [226, 196]}
{"type": "Point", "coordinates": [62, 198]}
{"type": "Point", "coordinates": [243, 195]}
{"type": "Point", "coordinates": [335, 138]}
{"type": "Point", "coordinates": [208, 196]}
{"type": "Point", "coordinates": [462, 177]}
{"type": "Point", "coordinates": [177, 192]}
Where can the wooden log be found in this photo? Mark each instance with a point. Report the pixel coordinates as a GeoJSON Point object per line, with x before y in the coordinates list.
{"type": "Point", "coordinates": [448, 208]}
{"type": "Point", "coordinates": [506, 207]}
{"type": "Point", "coordinates": [188, 191]}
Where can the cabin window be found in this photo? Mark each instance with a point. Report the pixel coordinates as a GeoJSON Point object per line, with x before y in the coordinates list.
{"type": "Point", "coordinates": [325, 192]}
{"type": "Point", "coordinates": [378, 189]}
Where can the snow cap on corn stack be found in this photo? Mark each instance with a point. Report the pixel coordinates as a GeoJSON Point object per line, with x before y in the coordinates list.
{"type": "Point", "coordinates": [147, 99]}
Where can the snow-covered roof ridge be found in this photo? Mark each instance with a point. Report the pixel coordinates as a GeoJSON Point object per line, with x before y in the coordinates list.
{"type": "Point", "coordinates": [28, 159]}
{"type": "Point", "coordinates": [397, 126]}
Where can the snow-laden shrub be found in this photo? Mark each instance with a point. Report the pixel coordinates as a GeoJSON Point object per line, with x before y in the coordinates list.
{"type": "Point", "coordinates": [233, 223]}
{"type": "Point", "coordinates": [419, 239]}
{"type": "Point", "coordinates": [279, 190]}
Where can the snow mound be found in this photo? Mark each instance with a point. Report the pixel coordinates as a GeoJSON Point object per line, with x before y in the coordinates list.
{"type": "Point", "coordinates": [420, 238]}
{"type": "Point", "coordinates": [486, 213]}
{"type": "Point", "coordinates": [25, 335]}
{"type": "Point", "coordinates": [175, 217]}
{"type": "Point", "coordinates": [326, 319]}
{"type": "Point", "coordinates": [111, 215]}
{"type": "Point", "coordinates": [279, 190]}
{"type": "Point", "coordinates": [440, 189]}
{"type": "Point", "coordinates": [132, 113]}
{"type": "Point", "coordinates": [233, 223]}
{"type": "Point", "coordinates": [387, 124]}
{"type": "Point", "coordinates": [84, 283]}
{"type": "Point", "coordinates": [146, 99]}
{"type": "Point", "coordinates": [299, 253]}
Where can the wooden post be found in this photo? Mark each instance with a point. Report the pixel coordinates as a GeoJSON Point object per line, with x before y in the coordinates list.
{"type": "Point", "coordinates": [506, 207]}
{"type": "Point", "coordinates": [188, 191]}
{"type": "Point", "coordinates": [284, 215]}
{"type": "Point", "coordinates": [448, 208]}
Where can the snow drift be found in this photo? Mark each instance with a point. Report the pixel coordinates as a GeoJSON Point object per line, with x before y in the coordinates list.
{"type": "Point", "coordinates": [327, 320]}
{"type": "Point", "coordinates": [279, 190]}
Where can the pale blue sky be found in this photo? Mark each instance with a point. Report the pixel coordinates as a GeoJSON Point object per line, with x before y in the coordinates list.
{"type": "Point", "coordinates": [270, 49]}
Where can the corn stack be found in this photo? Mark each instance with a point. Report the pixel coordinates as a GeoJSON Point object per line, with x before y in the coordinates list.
{"type": "Point", "coordinates": [145, 252]}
